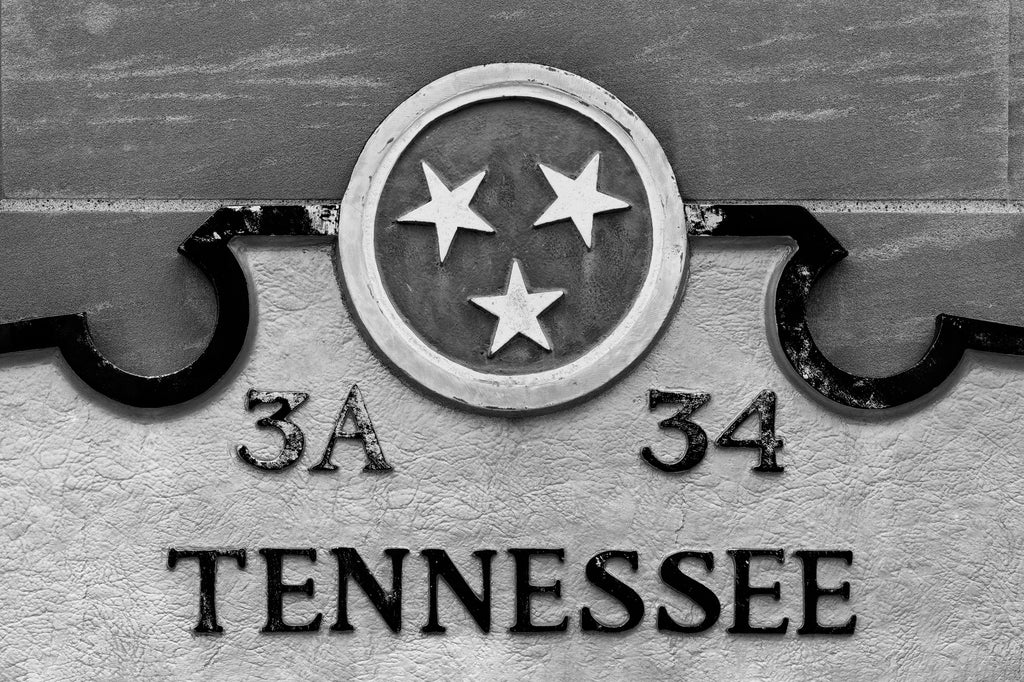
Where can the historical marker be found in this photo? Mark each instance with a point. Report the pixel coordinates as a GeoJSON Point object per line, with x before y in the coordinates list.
{"type": "Point", "coordinates": [487, 413]}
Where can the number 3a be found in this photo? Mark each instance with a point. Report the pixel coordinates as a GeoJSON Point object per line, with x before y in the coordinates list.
{"type": "Point", "coordinates": [353, 410]}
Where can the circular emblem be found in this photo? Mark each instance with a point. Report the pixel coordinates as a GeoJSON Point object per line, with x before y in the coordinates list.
{"type": "Point", "coordinates": [512, 238]}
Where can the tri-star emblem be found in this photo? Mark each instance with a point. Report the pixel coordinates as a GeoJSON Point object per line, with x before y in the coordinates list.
{"type": "Point", "coordinates": [512, 238]}
{"type": "Point", "coordinates": [577, 200]}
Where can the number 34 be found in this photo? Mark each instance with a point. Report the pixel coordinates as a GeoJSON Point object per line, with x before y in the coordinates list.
{"type": "Point", "coordinates": [697, 440]}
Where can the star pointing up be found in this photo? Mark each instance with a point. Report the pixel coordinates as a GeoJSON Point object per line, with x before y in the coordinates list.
{"type": "Point", "coordinates": [517, 310]}
{"type": "Point", "coordinates": [448, 209]}
{"type": "Point", "coordinates": [578, 199]}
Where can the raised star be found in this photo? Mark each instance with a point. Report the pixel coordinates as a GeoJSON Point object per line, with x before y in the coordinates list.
{"type": "Point", "coordinates": [517, 311]}
{"type": "Point", "coordinates": [578, 199]}
{"type": "Point", "coordinates": [448, 209]}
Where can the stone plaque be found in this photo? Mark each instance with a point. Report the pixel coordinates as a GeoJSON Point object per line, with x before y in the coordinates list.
{"type": "Point", "coordinates": [512, 408]}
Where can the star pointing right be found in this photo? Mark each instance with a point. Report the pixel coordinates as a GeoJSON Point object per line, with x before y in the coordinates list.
{"type": "Point", "coordinates": [578, 199]}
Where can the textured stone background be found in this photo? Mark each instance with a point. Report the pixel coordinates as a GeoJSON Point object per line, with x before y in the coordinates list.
{"type": "Point", "coordinates": [124, 123]}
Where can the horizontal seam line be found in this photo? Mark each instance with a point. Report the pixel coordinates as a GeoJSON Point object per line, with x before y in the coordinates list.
{"type": "Point", "coordinates": [106, 205]}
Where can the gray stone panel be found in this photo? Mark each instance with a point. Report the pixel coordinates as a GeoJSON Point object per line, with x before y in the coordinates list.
{"type": "Point", "coordinates": [874, 313]}
{"type": "Point", "coordinates": [1015, 155]}
{"type": "Point", "coordinates": [266, 99]}
{"type": "Point", "coordinates": [149, 309]}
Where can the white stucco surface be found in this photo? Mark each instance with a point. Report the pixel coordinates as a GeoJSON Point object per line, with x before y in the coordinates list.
{"type": "Point", "coordinates": [94, 495]}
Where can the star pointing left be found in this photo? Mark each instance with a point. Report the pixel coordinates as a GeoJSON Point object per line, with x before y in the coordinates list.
{"type": "Point", "coordinates": [448, 209]}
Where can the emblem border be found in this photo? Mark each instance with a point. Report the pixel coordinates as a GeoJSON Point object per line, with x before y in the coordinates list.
{"type": "Point", "coordinates": [398, 344]}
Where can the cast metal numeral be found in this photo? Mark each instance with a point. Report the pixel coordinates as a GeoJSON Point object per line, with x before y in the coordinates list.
{"type": "Point", "coordinates": [294, 440]}
{"type": "Point", "coordinates": [696, 438]}
{"type": "Point", "coordinates": [353, 410]}
{"type": "Point", "coordinates": [766, 442]}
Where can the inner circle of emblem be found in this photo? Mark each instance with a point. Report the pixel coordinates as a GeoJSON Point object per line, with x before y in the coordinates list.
{"type": "Point", "coordinates": [512, 239]}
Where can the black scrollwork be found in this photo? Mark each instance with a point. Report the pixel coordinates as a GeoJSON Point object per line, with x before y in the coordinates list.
{"type": "Point", "coordinates": [816, 252]}
{"type": "Point", "coordinates": [208, 249]}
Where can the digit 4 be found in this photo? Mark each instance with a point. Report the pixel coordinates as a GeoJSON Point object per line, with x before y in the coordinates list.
{"type": "Point", "coordinates": [766, 442]}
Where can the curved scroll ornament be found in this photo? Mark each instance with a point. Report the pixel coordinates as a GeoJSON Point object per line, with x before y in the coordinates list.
{"type": "Point", "coordinates": [207, 248]}
{"type": "Point", "coordinates": [816, 252]}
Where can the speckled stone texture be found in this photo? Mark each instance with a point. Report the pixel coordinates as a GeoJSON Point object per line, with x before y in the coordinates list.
{"type": "Point", "coordinates": [262, 98]}
{"type": "Point", "coordinates": [94, 495]}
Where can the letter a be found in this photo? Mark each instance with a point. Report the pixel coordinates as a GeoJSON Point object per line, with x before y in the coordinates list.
{"type": "Point", "coordinates": [354, 409]}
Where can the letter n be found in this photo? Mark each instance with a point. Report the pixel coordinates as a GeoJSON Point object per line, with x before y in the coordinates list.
{"type": "Point", "coordinates": [388, 604]}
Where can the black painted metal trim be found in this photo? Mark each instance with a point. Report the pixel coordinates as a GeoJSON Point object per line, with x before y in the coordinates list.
{"type": "Point", "coordinates": [207, 248]}
{"type": "Point", "coordinates": [816, 252]}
